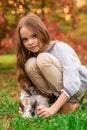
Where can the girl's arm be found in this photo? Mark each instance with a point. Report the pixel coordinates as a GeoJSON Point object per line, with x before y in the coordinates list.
{"type": "Point", "coordinates": [48, 111]}
{"type": "Point", "coordinates": [61, 100]}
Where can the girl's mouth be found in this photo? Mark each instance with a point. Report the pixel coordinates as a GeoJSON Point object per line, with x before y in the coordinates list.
{"type": "Point", "coordinates": [32, 48]}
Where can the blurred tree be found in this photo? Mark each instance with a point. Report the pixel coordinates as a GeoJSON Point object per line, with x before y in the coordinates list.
{"type": "Point", "coordinates": [55, 14]}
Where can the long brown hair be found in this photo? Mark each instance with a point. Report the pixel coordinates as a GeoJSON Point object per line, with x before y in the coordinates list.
{"type": "Point", "coordinates": [23, 54]}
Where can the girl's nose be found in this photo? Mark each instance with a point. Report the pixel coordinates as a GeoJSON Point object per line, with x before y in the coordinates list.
{"type": "Point", "coordinates": [30, 41]}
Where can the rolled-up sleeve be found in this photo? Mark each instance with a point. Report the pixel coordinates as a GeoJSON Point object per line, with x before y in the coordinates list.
{"type": "Point", "coordinates": [24, 95]}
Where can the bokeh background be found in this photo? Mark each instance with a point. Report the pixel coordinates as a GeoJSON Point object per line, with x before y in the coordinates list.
{"type": "Point", "coordinates": [65, 19]}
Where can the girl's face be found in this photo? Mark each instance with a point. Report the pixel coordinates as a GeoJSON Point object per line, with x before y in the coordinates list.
{"type": "Point", "coordinates": [30, 40]}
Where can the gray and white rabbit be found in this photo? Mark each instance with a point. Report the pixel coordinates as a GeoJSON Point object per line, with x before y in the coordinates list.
{"type": "Point", "coordinates": [33, 101]}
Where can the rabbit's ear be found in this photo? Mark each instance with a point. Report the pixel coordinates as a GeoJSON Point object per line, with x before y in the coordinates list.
{"type": "Point", "coordinates": [34, 105]}
{"type": "Point", "coordinates": [21, 106]}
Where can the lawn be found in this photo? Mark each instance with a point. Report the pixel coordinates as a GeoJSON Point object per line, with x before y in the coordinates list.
{"type": "Point", "coordinates": [9, 103]}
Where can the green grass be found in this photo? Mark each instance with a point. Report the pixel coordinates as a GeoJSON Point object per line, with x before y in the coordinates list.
{"type": "Point", "coordinates": [10, 119]}
{"type": "Point", "coordinates": [7, 62]}
{"type": "Point", "coordinates": [9, 104]}
{"type": "Point", "coordinates": [7, 59]}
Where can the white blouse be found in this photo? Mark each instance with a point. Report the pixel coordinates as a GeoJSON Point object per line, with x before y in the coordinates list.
{"type": "Point", "coordinates": [74, 74]}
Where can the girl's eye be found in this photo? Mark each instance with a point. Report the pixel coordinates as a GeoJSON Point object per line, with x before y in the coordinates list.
{"type": "Point", "coordinates": [24, 40]}
{"type": "Point", "coordinates": [34, 36]}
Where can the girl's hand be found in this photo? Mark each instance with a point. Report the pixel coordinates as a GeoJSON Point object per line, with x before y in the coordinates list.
{"type": "Point", "coordinates": [24, 102]}
{"type": "Point", "coordinates": [20, 111]}
{"type": "Point", "coordinates": [48, 111]}
{"type": "Point", "coordinates": [44, 111]}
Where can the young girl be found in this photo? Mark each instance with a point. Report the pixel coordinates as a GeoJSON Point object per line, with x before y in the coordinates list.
{"type": "Point", "coordinates": [51, 67]}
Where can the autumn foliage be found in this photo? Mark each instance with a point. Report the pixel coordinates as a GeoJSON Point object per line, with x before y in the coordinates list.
{"type": "Point", "coordinates": [44, 9]}
{"type": "Point", "coordinates": [79, 45]}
